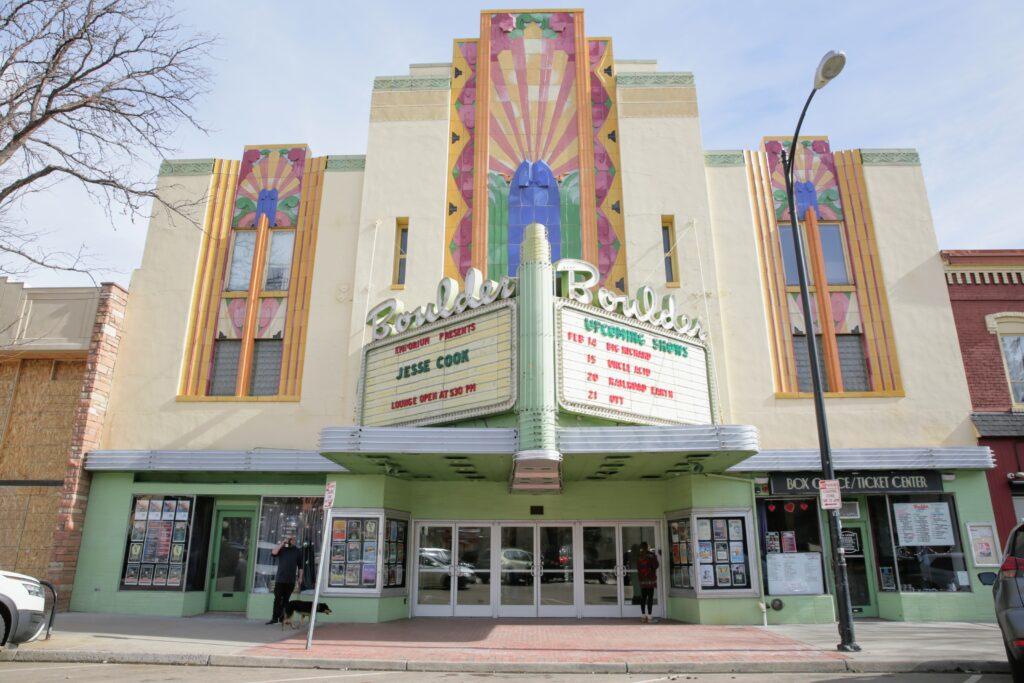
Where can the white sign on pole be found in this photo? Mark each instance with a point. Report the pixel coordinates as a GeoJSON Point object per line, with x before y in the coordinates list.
{"type": "Point", "coordinates": [831, 498]}
{"type": "Point", "coordinates": [613, 367]}
{"type": "Point", "coordinates": [456, 368]}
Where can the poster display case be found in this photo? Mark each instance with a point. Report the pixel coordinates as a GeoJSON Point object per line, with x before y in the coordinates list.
{"type": "Point", "coordinates": [156, 551]}
{"type": "Point", "coordinates": [367, 552]}
{"type": "Point", "coordinates": [710, 552]}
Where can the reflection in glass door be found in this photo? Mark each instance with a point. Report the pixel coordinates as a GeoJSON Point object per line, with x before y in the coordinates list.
{"type": "Point", "coordinates": [434, 570]}
{"type": "Point", "coordinates": [473, 588]}
{"type": "Point", "coordinates": [557, 576]}
{"type": "Point", "coordinates": [600, 572]}
{"type": "Point", "coordinates": [517, 597]}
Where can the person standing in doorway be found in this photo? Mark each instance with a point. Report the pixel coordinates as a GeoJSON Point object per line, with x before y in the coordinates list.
{"type": "Point", "coordinates": [289, 559]}
{"type": "Point", "coordinates": [647, 573]}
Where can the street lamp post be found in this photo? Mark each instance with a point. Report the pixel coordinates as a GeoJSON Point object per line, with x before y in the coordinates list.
{"type": "Point", "coordinates": [831, 64]}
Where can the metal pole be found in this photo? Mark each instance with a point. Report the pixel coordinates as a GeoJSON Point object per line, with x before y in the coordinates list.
{"type": "Point", "coordinates": [847, 641]}
{"type": "Point", "coordinates": [324, 545]}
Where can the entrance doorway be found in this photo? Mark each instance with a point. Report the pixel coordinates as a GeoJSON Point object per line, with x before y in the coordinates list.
{"type": "Point", "coordinates": [232, 565]}
{"type": "Point", "coordinates": [857, 549]}
{"type": "Point", "coordinates": [531, 569]}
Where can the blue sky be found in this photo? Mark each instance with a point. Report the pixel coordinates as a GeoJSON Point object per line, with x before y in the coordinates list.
{"type": "Point", "coordinates": [944, 77]}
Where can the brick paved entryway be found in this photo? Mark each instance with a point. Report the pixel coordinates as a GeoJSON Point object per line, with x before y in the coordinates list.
{"type": "Point", "coordinates": [545, 640]}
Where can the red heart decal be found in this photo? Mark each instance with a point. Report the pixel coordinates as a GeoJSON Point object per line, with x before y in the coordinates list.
{"type": "Point", "coordinates": [789, 507]}
{"type": "Point", "coordinates": [803, 506]}
{"type": "Point", "coordinates": [771, 508]}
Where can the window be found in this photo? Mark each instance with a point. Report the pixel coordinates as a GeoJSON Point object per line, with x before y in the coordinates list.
{"type": "Point", "coordinates": [681, 559]}
{"type": "Point", "coordinates": [277, 515]}
{"type": "Point", "coordinates": [279, 261]}
{"type": "Point", "coordinates": [803, 362]}
{"type": "Point", "coordinates": [241, 261]}
{"type": "Point", "coordinates": [668, 249]}
{"type": "Point", "coordinates": [791, 546]}
{"type": "Point", "coordinates": [266, 367]}
{"type": "Point", "coordinates": [789, 257]}
{"type": "Point", "coordinates": [852, 362]}
{"type": "Point", "coordinates": [1013, 356]}
{"type": "Point", "coordinates": [401, 251]}
{"type": "Point", "coordinates": [834, 254]}
{"type": "Point", "coordinates": [923, 541]}
{"type": "Point", "coordinates": [224, 367]}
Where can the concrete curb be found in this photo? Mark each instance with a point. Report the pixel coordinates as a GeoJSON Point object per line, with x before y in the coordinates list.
{"type": "Point", "coordinates": [791, 667]}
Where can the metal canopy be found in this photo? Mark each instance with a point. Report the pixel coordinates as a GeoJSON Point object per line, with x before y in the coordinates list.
{"type": "Point", "coordinates": [852, 459]}
{"type": "Point", "coordinates": [210, 461]}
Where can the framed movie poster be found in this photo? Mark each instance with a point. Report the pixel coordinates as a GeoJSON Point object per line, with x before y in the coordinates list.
{"type": "Point", "coordinates": [156, 549]}
{"type": "Point", "coordinates": [707, 575]}
{"type": "Point", "coordinates": [984, 546]}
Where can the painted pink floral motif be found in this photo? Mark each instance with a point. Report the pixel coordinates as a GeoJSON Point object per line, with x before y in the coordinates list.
{"type": "Point", "coordinates": [236, 313]}
{"type": "Point", "coordinates": [840, 305]}
{"type": "Point", "coordinates": [604, 169]}
{"type": "Point", "coordinates": [461, 247]}
{"type": "Point", "coordinates": [268, 308]}
{"type": "Point", "coordinates": [815, 180]}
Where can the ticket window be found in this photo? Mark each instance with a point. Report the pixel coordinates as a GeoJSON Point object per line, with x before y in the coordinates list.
{"type": "Point", "coordinates": [791, 546]}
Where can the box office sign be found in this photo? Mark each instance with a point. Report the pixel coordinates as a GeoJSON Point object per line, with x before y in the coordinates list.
{"type": "Point", "coordinates": [459, 367]}
{"type": "Point", "coordinates": [909, 481]}
{"type": "Point", "coordinates": [612, 367]}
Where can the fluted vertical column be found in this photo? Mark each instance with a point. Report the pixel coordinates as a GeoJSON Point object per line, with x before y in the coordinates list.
{"type": "Point", "coordinates": [537, 463]}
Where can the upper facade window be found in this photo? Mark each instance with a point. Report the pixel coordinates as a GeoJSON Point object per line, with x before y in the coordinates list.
{"type": "Point", "coordinates": [1009, 327]}
{"type": "Point", "coordinates": [855, 345]}
{"type": "Point", "coordinates": [247, 331]}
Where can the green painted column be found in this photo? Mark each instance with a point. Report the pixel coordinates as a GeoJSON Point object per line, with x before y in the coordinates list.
{"type": "Point", "coordinates": [538, 462]}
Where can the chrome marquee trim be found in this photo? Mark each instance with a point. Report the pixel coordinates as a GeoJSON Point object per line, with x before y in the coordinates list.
{"type": "Point", "coordinates": [939, 458]}
{"type": "Point", "coordinates": [210, 461]}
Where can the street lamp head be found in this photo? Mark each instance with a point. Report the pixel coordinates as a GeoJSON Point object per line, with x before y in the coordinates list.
{"type": "Point", "coordinates": [828, 68]}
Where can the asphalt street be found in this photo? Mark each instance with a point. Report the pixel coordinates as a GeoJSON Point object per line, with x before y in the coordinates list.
{"type": "Point", "coordinates": [30, 672]}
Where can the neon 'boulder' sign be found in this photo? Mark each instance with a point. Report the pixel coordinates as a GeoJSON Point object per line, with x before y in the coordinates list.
{"type": "Point", "coordinates": [578, 278]}
{"type": "Point", "coordinates": [389, 316]}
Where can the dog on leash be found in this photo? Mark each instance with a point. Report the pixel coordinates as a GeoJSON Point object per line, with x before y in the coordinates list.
{"type": "Point", "coordinates": [301, 609]}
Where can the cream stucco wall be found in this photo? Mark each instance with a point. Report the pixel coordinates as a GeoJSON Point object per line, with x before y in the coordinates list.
{"type": "Point", "coordinates": [144, 410]}
{"type": "Point", "coordinates": [935, 410]}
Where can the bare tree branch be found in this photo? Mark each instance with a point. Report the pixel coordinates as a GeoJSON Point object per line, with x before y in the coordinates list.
{"type": "Point", "coordinates": [87, 88]}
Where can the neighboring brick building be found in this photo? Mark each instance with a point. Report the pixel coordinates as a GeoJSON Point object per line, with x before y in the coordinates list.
{"type": "Point", "coordinates": [986, 288]}
{"type": "Point", "coordinates": [57, 352]}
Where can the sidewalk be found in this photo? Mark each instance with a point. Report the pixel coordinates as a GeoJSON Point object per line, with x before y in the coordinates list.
{"type": "Point", "coordinates": [520, 645]}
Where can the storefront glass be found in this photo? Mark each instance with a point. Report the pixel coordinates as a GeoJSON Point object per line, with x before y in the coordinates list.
{"type": "Point", "coordinates": [710, 551]}
{"type": "Point", "coordinates": [926, 541]}
{"type": "Point", "coordinates": [791, 548]}
{"type": "Point", "coordinates": [278, 516]}
{"type": "Point", "coordinates": [157, 549]}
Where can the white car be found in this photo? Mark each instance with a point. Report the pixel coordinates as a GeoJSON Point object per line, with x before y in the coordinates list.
{"type": "Point", "coordinates": [22, 608]}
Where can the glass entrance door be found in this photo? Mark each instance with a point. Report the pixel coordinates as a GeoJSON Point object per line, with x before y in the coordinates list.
{"type": "Point", "coordinates": [434, 571]}
{"type": "Point", "coordinates": [473, 555]}
{"type": "Point", "coordinates": [556, 585]}
{"type": "Point", "coordinates": [854, 537]}
{"type": "Point", "coordinates": [517, 589]}
{"type": "Point", "coordinates": [632, 536]}
{"type": "Point", "coordinates": [610, 583]}
{"type": "Point", "coordinates": [231, 561]}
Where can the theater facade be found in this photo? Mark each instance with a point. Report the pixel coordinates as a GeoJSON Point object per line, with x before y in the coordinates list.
{"type": "Point", "coordinates": [536, 325]}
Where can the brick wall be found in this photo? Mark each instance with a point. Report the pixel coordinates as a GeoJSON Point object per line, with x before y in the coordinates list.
{"type": "Point", "coordinates": [983, 360]}
{"type": "Point", "coordinates": [89, 414]}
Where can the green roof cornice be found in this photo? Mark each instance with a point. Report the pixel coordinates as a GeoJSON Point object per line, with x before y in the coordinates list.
{"type": "Point", "coordinates": [412, 83]}
{"type": "Point", "coordinates": [186, 167]}
{"type": "Point", "coordinates": [655, 79]}
{"type": "Point", "coordinates": [890, 157]}
{"type": "Point", "coordinates": [346, 162]}
{"type": "Point", "coordinates": [724, 157]}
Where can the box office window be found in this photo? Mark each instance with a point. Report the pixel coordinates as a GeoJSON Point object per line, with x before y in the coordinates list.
{"type": "Point", "coordinates": [709, 552]}
{"type": "Point", "coordinates": [923, 542]}
{"type": "Point", "coordinates": [367, 552]}
{"type": "Point", "coordinates": [279, 515]}
{"type": "Point", "coordinates": [162, 549]}
{"type": "Point", "coordinates": [791, 547]}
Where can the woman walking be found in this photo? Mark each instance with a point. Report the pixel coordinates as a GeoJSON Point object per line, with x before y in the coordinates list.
{"type": "Point", "coordinates": [647, 573]}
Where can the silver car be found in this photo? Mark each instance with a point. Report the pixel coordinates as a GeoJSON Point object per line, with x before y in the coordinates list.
{"type": "Point", "coordinates": [1009, 599]}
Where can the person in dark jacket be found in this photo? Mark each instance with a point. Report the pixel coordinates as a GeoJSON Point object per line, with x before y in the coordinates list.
{"type": "Point", "coordinates": [289, 560]}
{"type": "Point", "coordinates": [647, 574]}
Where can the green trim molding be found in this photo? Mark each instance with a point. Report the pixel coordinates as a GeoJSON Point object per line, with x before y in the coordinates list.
{"type": "Point", "coordinates": [186, 167]}
{"type": "Point", "coordinates": [412, 83]}
{"type": "Point", "coordinates": [655, 79]}
{"type": "Point", "coordinates": [724, 157]}
{"type": "Point", "coordinates": [346, 162]}
{"type": "Point", "coordinates": [890, 157]}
